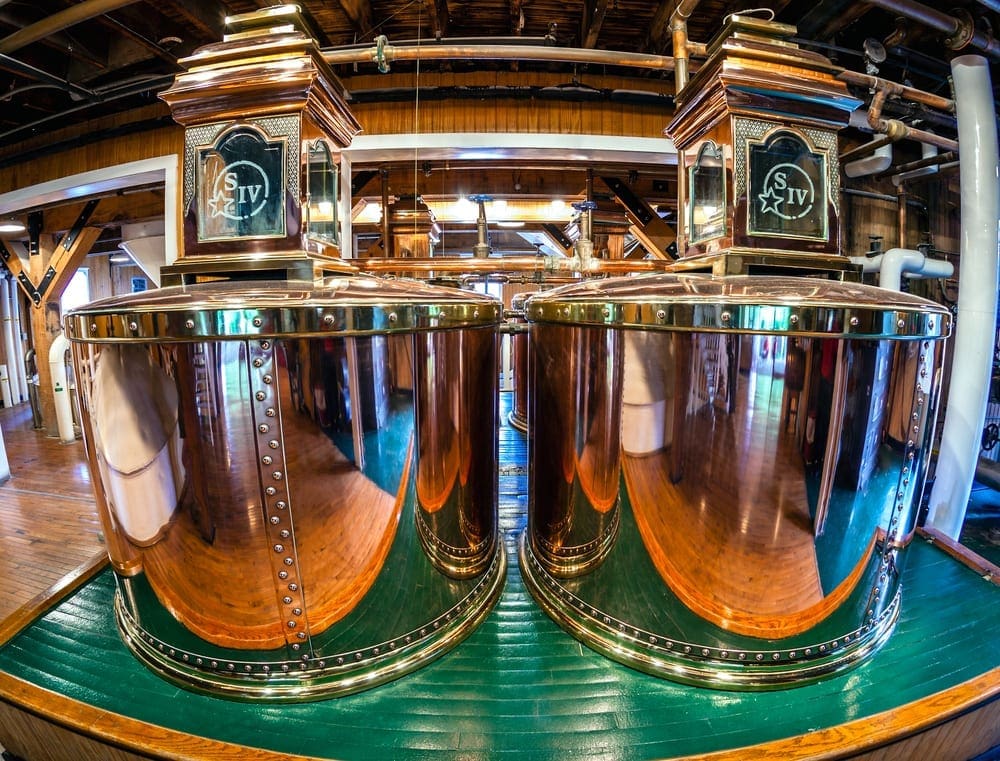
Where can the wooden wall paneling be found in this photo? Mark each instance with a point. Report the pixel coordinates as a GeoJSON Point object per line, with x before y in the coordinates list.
{"type": "Point", "coordinates": [99, 155]}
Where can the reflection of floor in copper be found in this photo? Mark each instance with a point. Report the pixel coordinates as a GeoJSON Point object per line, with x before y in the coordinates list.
{"type": "Point", "coordinates": [732, 538]}
{"type": "Point", "coordinates": [344, 525]}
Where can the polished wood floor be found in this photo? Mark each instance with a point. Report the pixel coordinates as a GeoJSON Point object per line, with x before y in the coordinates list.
{"type": "Point", "coordinates": [49, 531]}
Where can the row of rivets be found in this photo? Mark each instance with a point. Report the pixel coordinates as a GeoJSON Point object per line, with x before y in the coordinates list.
{"type": "Point", "coordinates": [649, 640]}
{"type": "Point", "coordinates": [272, 471]}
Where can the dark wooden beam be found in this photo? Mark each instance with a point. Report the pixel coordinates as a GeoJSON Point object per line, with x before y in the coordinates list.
{"type": "Point", "coordinates": [517, 17]}
{"type": "Point", "coordinates": [207, 18]}
{"type": "Point", "coordinates": [438, 11]}
{"type": "Point", "coordinates": [360, 14]}
{"type": "Point", "coordinates": [594, 13]}
{"type": "Point", "coordinates": [658, 38]}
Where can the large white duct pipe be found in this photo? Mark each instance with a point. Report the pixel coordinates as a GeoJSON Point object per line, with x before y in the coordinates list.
{"type": "Point", "coordinates": [894, 263]}
{"type": "Point", "coordinates": [9, 349]}
{"type": "Point", "coordinates": [878, 161]}
{"type": "Point", "coordinates": [64, 407]}
{"type": "Point", "coordinates": [977, 296]}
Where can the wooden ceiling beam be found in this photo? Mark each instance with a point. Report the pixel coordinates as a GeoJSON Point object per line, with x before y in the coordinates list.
{"type": "Point", "coordinates": [658, 38]}
{"type": "Point", "coordinates": [207, 18]}
{"type": "Point", "coordinates": [438, 11]}
{"type": "Point", "coordinates": [517, 17]}
{"type": "Point", "coordinates": [594, 13]}
{"type": "Point", "coordinates": [360, 14]}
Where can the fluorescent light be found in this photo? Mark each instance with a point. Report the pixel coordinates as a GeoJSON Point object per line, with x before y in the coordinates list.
{"type": "Point", "coordinates": [11, 226]}
{"type": "Point", "coordinates": [120, 259]}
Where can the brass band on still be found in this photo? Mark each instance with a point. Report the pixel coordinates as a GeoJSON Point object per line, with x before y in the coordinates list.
{"type": "Point", "coordinates": [294, 480]}
{"type": "Point", "coordinates": [724, 473]}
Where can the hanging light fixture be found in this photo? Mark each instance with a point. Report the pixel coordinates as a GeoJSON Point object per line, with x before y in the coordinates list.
{"type": "Point", "coordinates": [12, 226]}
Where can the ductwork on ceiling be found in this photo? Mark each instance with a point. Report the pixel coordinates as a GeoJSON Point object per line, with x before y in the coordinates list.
{"type": "Point", "coordinates": [146, 243]}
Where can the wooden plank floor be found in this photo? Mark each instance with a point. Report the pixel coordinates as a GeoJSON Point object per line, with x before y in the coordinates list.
{"type": "Point", "coordinates": [49, 530]}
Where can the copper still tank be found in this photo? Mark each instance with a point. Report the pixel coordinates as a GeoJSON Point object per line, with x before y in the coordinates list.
{"type": "Point", "coordinates": [296, 480]}
{"type": "Point", "coordinates": [725, 472]}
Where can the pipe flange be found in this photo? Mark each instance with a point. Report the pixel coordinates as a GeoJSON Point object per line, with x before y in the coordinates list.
{"type": "Point", "coordinates": [964, 32]}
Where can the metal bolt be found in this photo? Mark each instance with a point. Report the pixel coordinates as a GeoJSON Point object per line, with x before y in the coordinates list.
{"type": "Point", "coordinates": [289, 561]}
{"type": "Point", "coordinates": [260, 396]}
{"type": "Point", "coordinates": [265, 345]}
{"type": "Point", "coordinates": [189, 324]}
{"type": "Point", "coordinates": [293, 587]}
{"type": "Point", "coordinates": [270, 491]}
{"type": "Point", "coordinates": [287, 600]}
{"type": "Point", "coordinates": [275, 520]}
{"type": "Point", "coordinates": [268, 378]}
{"type": "Point", "coordinates": [285, 533]}
{"type": "Point", "coordinates": [661, 314]}
{"type": "Point", "coordinates": [393, 317]}
{"type": "Point", "coordinates": [328, 319]}
{"type": "Point", "coordinates": [270, 412]}
{"type": "Point", "coordinates": [279, 548]}
{"type": "Point", "coordinates": [277, 475]}
{"type": "Point", "coordinates": [855, 322]}
{"type": "Point", "coordinates": [133, 326]}
{"type": "Point", "coordinates": [292, 624]}
{"type": "Point", "coordinates": [281, 504]}
{"type": "Point", "coordinates": [282, 574]}
{"type": "Point", "coordinates": [266, 459]}
{"type": "Point", "coordinates": [263, 428]}
{"type": "Point", "coordinates": [258, 362]}
{"type": "Point", "coordinates": [793, 319]}
{"type": "Point", "coordinates": [257, 322]}
{"type": "Point", "coordinates": [273, 444]}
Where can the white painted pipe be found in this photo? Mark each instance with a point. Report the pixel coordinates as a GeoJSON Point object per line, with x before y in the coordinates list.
{"type": "Point", "coordinates": [8, 400]}
{"type": "Point", "coordinates": [894, 263]}
{"type": "Point", "coordinates": [9, 349]}
{"type": "Point", "coordinates": [977, 296]}
{"type": "Point", "coordinates": [19, 370]}
{"type": "Point", "coordinates": [878, 161]}
{"type": "Point", "coordinates": [60, 388]}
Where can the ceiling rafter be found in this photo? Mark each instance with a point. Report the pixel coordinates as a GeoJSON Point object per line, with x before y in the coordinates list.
{"type": "Point", "coordinates": [208, 18]}
{"type": "Point", "coordinates": [594, 13]}
{"type": "Point", "coordinates": [658, 37]}
{"type": "Point", "coordinates": [438, 12]}
{"type": "Point", "coordinates": [360, 14]}
{"type": "Point", "coordinates": [517, 17]}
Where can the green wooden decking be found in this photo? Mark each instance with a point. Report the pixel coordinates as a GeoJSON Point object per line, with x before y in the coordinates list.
{"type": "Point", "coordinates": [520, 686]}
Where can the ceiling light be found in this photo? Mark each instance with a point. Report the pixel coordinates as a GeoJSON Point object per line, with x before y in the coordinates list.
{"type": "Point", "coordinates": [11, 226]}
{"type": "Point", "coordinates": [120, 259]}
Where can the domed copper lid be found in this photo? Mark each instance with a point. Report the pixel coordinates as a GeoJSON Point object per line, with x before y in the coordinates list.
{"type": "Point", "coordinates": [744, 304]}
{"type": "Point", "coordinates": [351, 306]}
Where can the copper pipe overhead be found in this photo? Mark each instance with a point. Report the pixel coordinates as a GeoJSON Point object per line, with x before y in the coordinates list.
{"type": "Point", "coordinates": [960, 32]}
{"type": "Point", "coordinates": [383, 53]}
{"type": "Point", "coordinates": [58, 21]}
{"type": "Point", "coordinates": [504, 264]}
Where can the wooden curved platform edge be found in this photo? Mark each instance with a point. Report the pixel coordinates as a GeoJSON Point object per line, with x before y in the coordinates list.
{"type": "Point", "coordinates": [986, 570]}
{"type": "Point", "coordinates": [957, 723]}
{"type": "Point", "coordinates": [44, 723]}
{"type": "Point", "coordinates": [36, 606]}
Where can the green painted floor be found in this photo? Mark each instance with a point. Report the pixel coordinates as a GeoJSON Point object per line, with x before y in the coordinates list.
{"type": "Point", "coordinates": [981, 530]}
{"type": "Point", "coordinates": [521, 687]}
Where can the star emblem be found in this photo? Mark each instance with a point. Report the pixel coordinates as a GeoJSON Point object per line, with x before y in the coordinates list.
{"type": "Point", "coordinates": [769, 201]}
{"type": "Point", "coordinates": [218, 203]}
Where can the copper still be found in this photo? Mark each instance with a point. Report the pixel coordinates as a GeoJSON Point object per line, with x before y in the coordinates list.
{"type": "Point", "coordinates": [282, 525]}
{"type": "Point", "coordinates": [724, 472]}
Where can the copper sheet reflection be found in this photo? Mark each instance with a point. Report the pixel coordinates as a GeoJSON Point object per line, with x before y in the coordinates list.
{"type": "Point", "coordinates": [344, 525]}
{"type": "Point", "coordinates": [732, 536]}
